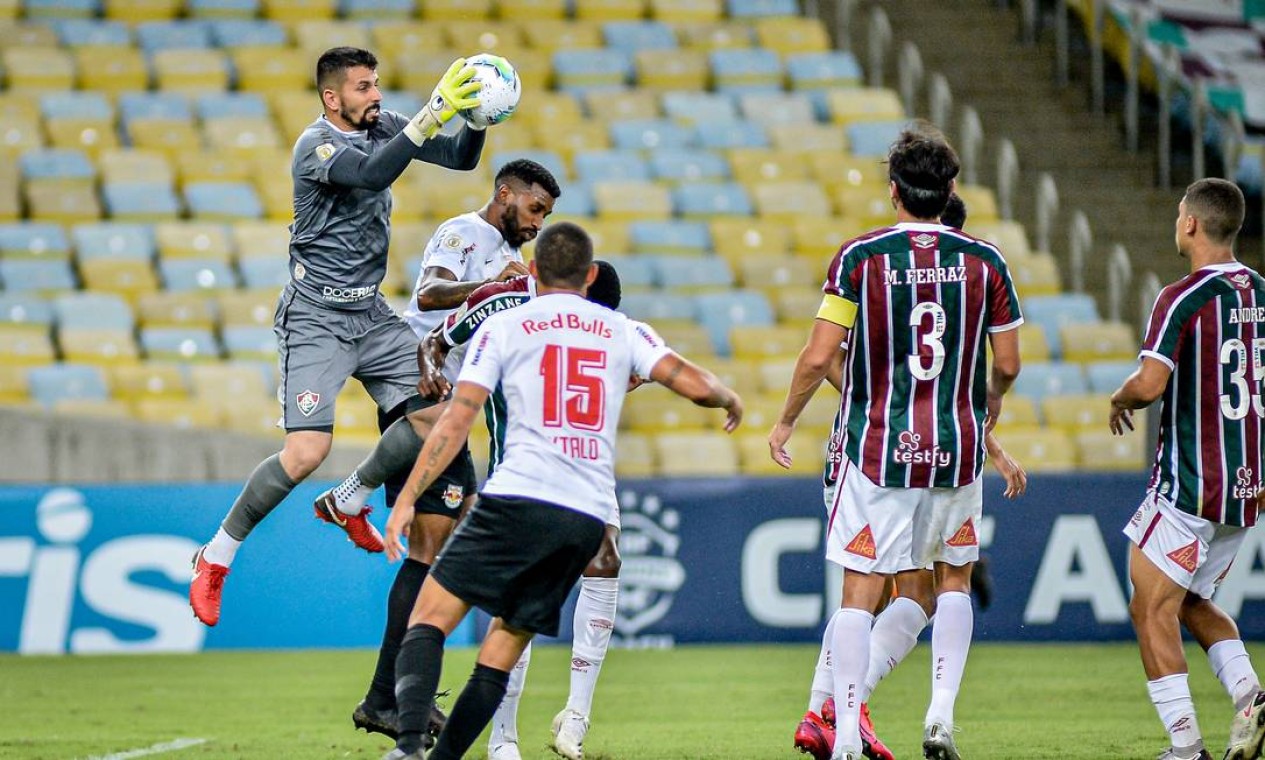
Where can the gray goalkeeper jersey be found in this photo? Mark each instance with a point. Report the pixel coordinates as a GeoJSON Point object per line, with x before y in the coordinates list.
{"type": "Point", "coordinates": [339, 238]}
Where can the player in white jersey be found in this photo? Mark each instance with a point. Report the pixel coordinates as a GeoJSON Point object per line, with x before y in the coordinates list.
{"type": "Point", "coordinates": [563, 364]}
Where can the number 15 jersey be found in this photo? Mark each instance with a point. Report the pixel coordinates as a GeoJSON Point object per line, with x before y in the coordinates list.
{"type": "Point", "coordinates": [563, 364]}
{"type": "Point", "coordinates": [1209, 328]}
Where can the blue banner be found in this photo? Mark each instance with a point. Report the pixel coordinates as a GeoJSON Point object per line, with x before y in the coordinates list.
{"type": "Point", "coordinates": [106, 568]}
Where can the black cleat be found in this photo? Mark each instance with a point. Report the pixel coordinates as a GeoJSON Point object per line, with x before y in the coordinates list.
{"type": "Point", "coordinates": [374, 721]}
{"type": "Point", "coordinates": [434, 726]}
{"type": "Point", "coordinates": [398, 754]}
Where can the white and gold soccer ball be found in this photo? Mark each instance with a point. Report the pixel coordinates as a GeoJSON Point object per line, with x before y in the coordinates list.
{"type": "Point", "coordinates": [500, 92]}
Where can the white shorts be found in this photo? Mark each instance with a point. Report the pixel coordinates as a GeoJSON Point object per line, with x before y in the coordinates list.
{"type": "Point", "coordinates": [873, 529]}
{"type": "Point", "coordinates": [1192, 551]}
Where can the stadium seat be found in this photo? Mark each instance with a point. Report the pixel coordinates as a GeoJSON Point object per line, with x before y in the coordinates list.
{"type": "Point", "coordinates": [654, 409]}
{"type": "Point", "coordinates": [737, 237]}
{"type": "Point", "coordinates": [628, 104]}
{"type": "Point", "coordinates": [701, 200]}
{"type": "Point", "coordinates": [246, 307]}
{"type": "Point", "coordinates": [693, 274]}
{"type": "Point", "coordinates": [1076, 411]}
{"type": "Point", "coordinates": [720, 313]}
{"type": "Point", "coordinates": [246, 31]}
{"type": "Point", "coordinates": [808, 455]}
{"type": "Point", "coordinates": [62, 204]}
{"type": "Point", "coordinates": [249, 342]}
{"type": "Point", "coordinates": [25, 310]}
{"type": "Point", "coordinates": [796, 305]}
{"type": "Point", "coordinates": [760, 343]}
{"type": "Point", "coordinates": [651, 135]}
{"type": "Point", "coordinates": [36, 276]}
{"type": "Point", "coordinates": [255, 239]}
{"type": "Point", "coordinates": [178, 413]}
{"type": "Point", "coordinates": [140, 201]}
{"type": "Point", "coordinates": [450, 10]}
{"type": "Point", "coordinates": [670, 237]}
{"type": "Point", "coordinates": [133, 166]}
{"type": "Point", "coordinates": [1051, 313]}
{"type": "Point", "coordinates": [769, 108]}
{"type": "Point", "coordinates": [1009, 236]}
{"type": "Point", "coordinates": [827, 69]}
{"type": "Point", "coordinates": [546, 158]}
{"type": "Point", "coordinates": [866, 104]}
{"type": "Point", "coordinates": [127, 278]}
{"type": "Point", "coordinates": [113, 240]}
{"type": "Point", "coordinates": [220, 10]}
{"type": "Point", "coordinates": [810, 139]}
{"type": "Point", "coordinates": [175, 310]}
{"type": "Point", "coordinates": [1099, 450]}
{"type": "Point", "coordinates": [1098, 341]}
{"type": "Point", "coordinates": [98, 347]}
{"type": "Point", "coordinates": [314, 36]}
{"type": "Point", "coordinates": [179, 344]}
{"type": "Point", "coordinates": [1018, 412]}
{"type": "Point", "coordinates": [658, 307]}
{"type": "Point", "coordinates": [263, 273]}
{"type": "Point", "coordinates": [156, 36]}
{"type": "Point", "coordinates": [212, 166]}
{"type": "Point", "coordinates": [142, 10]}
{"type": "Point", "coordinates": [838, 169]}
{"type": "Point", "coordinates": [37, 68]}
{"type": "Point", "coordinates": [732, 134]}
{"type": "Point", "coordinates": [762, 411]}
{"type": "Point", "coordinates": [65, 167]}
{"type": "Point", "coordinates": [390, 40]}
{"type": "Point", "coordinates": [583, 137]}
{"type": "Point", "coordinates": [717, 35]}
{"type": "Point", "coordinates": [634, 36]}
{"type": "Point", "coordinates": [580, 70]}
{"type": "Point", "coordinates": [14, 385]}
{"type": "Point", "coordinates": [686, 11]}
{"type": "Point", "coordinates": [299, 10]}
{"type": "Point", "coordinates": [788, 201]}
{"type": "Point", "coordinates": [271, 69]}
{"type": "Point", "coordinates": [196, 274]}
{"type": "Point", "coordinates": [981, 201]}
{"type": "Point", "coordinates": [22, 346]}
{"type": "Point", "coordinates": [1040, 380]}
{"type": "Point", "coordinates": [611, 165]}
{"type": "Point", "coordinates": [696, 454]}
{"type": "Point", "coordinates": [1041, 450]}
{"type": "Point", "coordinates": [868, 205]}
{"type": "Point", "coordinates": [221, 385]}
{"type": "Point", "coordinates": [821, 238]}
{"type": "Point", "coordinates": [740, 375]}
{"type": "Point", "coordinates": [131, 382]}
{"type": "Point", "coordinates": [759, 9]}
{"type": "Point", "coordinates": [187, 70]}
{"type": "Point", "coordinates": [82, 33]}
{"type": "Point", "coordinates": [680, 165]}
{"type": "Point", "coordinates": [1107, 376]}
{"type": "Point", "coordinates": [873, 138]}
{"type": "Point", "coordinates": [1036, 275]}
{"type": "Point", "coordinates": [193, 240]}
{"type": "Point", "coordinates": [689, 340]}
{"type": "Point", "coordinates": [10, 197]}
{"type": "Point", "coordinates": [242, 134]}
{"type": "Point", "coordinates": [636, 275]}
{"type": "Point", "coordinates": [772, 273]}
{"type": "Point", "coordinates": [632, 200]}
{"type": "Point", "coordinates": [752, 166]}
{"type": "Point", "coordinates": [60, 382]}
{"type": "Point", "coordinates": [742, 70]}
{"type": "Point", "coordinates": [161, 106]}
{"type": "Point", "coordinates": [225, 201]}
{"type": "Point", "coordinates": [27, 240]}
{"type": "Point", "coordinates": [608, 237]}
{"type": "Point", "coordinates": [552, 34]}
{"type": "Point", "coordinates": [87, 311]}
{"type": "Point", "coordinates": [634, 456]}
{"type": "Point", "coordinates": [681, 70]}
{"type": "Point", "coordinates": [696, 107]}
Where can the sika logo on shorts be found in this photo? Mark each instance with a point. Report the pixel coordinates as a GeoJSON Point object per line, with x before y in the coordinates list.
{"type": "Point", "coordinates": [453, 495]}
{"type": "Point", "coordinates": [862, 544]}
{"type": "Point", "coordinates": [1187, 557]}
{"type": "Point", "coordinates": [965, 535]}
{"type": "Point", "coordinates": [307, 401]}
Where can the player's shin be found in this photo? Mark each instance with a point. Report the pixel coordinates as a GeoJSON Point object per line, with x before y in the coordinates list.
{"type": "Point", "coordinates": [471, 712]}
{"type": "Point", "coordinates": [594, 623]}
{"type": "Point", "coordinates": [850, 656]}
{"type": "Point", "coordinates": [396, 451]}
{"type": "Point", "coordinates": [417, 671]}
{"type": "Point", "coordinates": [505, 721]}
{"type": "Point", "coordinates": [950, 645]}
{"type": "Point", "coordinates": [267, 487]}
{"type": "Point", "coordinates": [1171, 697]}
{"type": "Point", "coordinates": [894, 636]}
{"type": "Point", "coordinates": [823, 681]}
{"type": "Point", "coordinates": [400, 601]}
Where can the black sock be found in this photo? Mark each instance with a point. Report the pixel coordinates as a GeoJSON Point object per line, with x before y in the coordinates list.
{"type": "Point", "coordinates": [471, 712]}
{"type": "Point", "coordinates": [408, 582]}
{"type": "Point", "coordinates": [416, 680]}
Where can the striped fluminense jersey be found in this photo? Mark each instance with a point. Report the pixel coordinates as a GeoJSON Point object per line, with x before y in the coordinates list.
{"type": "Point", "coordinates": [915, 386]}
{"type": "Point", "coordinates": [1209, 328]}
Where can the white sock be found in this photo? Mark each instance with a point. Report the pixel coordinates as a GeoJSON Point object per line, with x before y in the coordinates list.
{"type": "Point", "coordinates": [505, 719]}
{"type": "Point", "coordinates": [351, 495]}
{"type": "Point", "coordinates": [894, 636]}
{"type": "Point", "coordinates": [221, 549]}
{"type": "Point", "coordinates": [1230, 662]}
{"type": "Point", "coordinates": [823, 680]}
{"type": "Point", "coordinates": [950, 643]}
{"type": "Point", "coordinates": [594, 623]}
{"type": "Point", "coordinates": [850, 657]}
{"type": "Point", "coordinates": [1171, 697]}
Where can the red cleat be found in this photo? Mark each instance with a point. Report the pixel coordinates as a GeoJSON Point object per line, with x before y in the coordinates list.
{"type": "Point", "coordinates": [205, 589]}
{"type": "Point", "coordinates": [828, 711]}
{"type": "Point", "coordinates": [814, 737]}
{"type": "Point", "coordinates": [358, 528]}
{"type": "Point", "coordinates": [871, 746]}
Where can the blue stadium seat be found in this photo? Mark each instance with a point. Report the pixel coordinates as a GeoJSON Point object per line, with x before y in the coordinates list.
{"type": "Point", "coordinates": [140, 199]}
{"type": "Point", "coordinates": [546, 158]}
{"type": "Point", "coordinates": [651, 134]}
{"type": "Point", "coordinates": [242, 342]}
{"type": "Point", "coordinates": [78, 32]}
{"type": "Point", "coordinates": [634, 271]}
{"type": "Point", "coordinates": [232, 33]}
{"type": "Point", "coordinates": [179, 343]}
{"type": "Point", "coordinates": [377, 9]}
{"type": "Point", "coordinates": [672, 237]}
{"type": "Point", "coordinates": [196, 274]}
{"type": "Point", "coordinates": [580, 70]}
{"type": "Point", "coordinates": [36, 275]}
{"type": "Point", "coordinates": [720, 312]}
{"type": "Point", "coordinates": [93, 311]}
{"type": "Point", "coordinates": [1106, 376]}
{"type": "Point", "coordinates": [733, 134]}
{"type": "Point", "coordinates": [711, 198]}
{"type": "Point", "coordinates": [1053, 312]}
{"type": "Point", "coordinates": [25, 309]}
{"type": "Point", "coordinates": [740, 70]}
{"type": "Point", "coordinates": [833, 68]}
{"type": "Point", "coordinates": [759, 8]}
{"type": "Point", "coordinates": [1041, 379]}
{"type": "Point", "coordinates": [692, 272]}
{"type": "Point", "coordinates": [153, 36]}
{"type": "Point", "coordinates": [777, 108]}
{"type": "Point", "coordinates": [657, 306]}
{"type": "Point", "coordinates": [223, 200]}
{"type": "Point", "coordinates": [576, 200]}
{"type": "Point", "coordinates": [76, 105]}
{"type": "Point", "coordinates": [265, 272]}
{"type": "Point", "coordinates": [232, 105]}
{"type": "Point", "coordinates": [154, 105]}
{"type": "Point", "coordinates": [33, 239]}
{"type": "Point", "coordinates": [699, 107]}
{"type": "Point", "coordinates": [873, 138]}
{"type": "Point", "coordinates": [611, 165]}
{"type": "Point", "coordinates": [114, 240]}
{"type": "Point", "coordinates": [693, 165]}
{"type": "Point", "coordinates": [632, 36]}
{"type": "Point", "coordinates": [56, 164]}
{"type": "Point", "coordinates": [67, 382]}
{"type": "Point", "coordinates": [223, 9]}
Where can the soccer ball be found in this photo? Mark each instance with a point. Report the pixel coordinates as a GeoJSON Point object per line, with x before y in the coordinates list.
{"type": "Point", "coordinates": [499, 95]}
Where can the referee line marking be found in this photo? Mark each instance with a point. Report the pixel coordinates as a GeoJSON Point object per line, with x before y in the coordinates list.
{"type": "Point", "coordinates": [156, 749]}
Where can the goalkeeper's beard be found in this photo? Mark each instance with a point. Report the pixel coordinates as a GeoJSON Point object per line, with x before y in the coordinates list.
{"type": "Point", "coordinates": [366, 119]}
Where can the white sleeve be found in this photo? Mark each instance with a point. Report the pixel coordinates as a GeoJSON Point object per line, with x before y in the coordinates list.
{"type": "Point", "coordinates": [646, 347]}
{"type": "Point", "coordinates": [449, 248]}
{"type": "Point", "coordinates": [482, 365]}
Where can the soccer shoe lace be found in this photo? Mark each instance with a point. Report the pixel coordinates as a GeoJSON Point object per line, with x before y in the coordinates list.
{"type": "Point", "coordinates": [358, 528]}
{"type": "Point", "coordinates": [569, 729]}
{"type": "Point", "coordinates": [814, 736]}
{"type": "Point", "coordinates": [871, 746]}
{"type": "Point", "coordinates": [206, 588]}
{"type": "Point", "coordinates": [937, 743]}
{"type": "Point", "coordinates": [504, 751]}
{"type": "Point", "coordinates": [1247, 731]}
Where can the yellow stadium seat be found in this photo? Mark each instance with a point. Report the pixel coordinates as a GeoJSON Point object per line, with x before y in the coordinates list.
{"type": "Point", "coordinates": [294, 110]}
{"type": "Point", "coordinates": [688, 340]}
{"type": "Point", "coordinates": [577, 138]}
{"type": "Point", "coordinates": [739, 374]}
{"type": "Point", "coordinates": [703, 454]}
{"type": "Point", "coordinates": [224, 383]}
{"type": "Point", "coordinates": [786, 201]}
{"type": "Point", "coordinates": [632, 200]}
{"type": "Point", "coordinates": [792, 34]}
{"type": "Point", "coordinates": [160, 380]}
{"type": "Point", "coordinates": [687, 11]}
{"type": "Point", "coordinates": [128, 278]}
{"type": "Point", "coordinates": [108, 409]}
{"type": "Point", "coordinates": [19, 136]}
{"type": "Point", "coordinates": [452, 10]}
{"type": "Point", "coordinates": [126, 165]}
{"type": "Point", "coordinates": [254, 239]}
{"type": "Point", "coordinates": [773, 273]}
{"type": "Point", "coordinates": [535, 70]}
{"type": "Point", "coordinates": [835, 170]}
{"type": "Point", "coordinates": [652, 409]}
{"type": "Point", "coordinates": [299, 10]}
{"type": "Point", "coordinates": [634, 456]}
{"type": "Point", "coordinates": [22, 346]}
{"type": "Point", "coordinates": [409, 240]}
{"type": "Point", "coordinates": [853, 105]}
{"type": "Point", "coordinates": [142, 10]}
{"type": "Point", "coordinates": [37, 68]}
{"type": "Point", "coordinates": [417, 70]}
{"type": "Point", "coordinates": [1018, 412]}
{"type": "Point", "coordinates": [500, 37]}
{"type": "Point", "coordinates": [241, 134]}
{"type": "Point", "coordinates": [193, 240]}
{"type": "Point", "coordinates": [609, 238]}
{"type": "Point", "coordinates": [176, 413]}
{"type": "Point", "coordinates": [867, 204]}
{"type": "Point", "coordinates": [1037, 275]}
{"type": "Point", "coordinates": [1008, 236]}
{"type": "Point", "coordinates": [610, 10]}
{"type": "Point", "coordinates": [258, 418]}
{"type": "Point", "coordinates": [1098, 341]}
{"type": "Point", "coordinates": [761, 411]}
{"type": "Point", "coordinates": [390, 40]}
{"type": "Point", "coordinates": [809, 139]}
{"type": "Point", "coordinates": [736, 237]}
{"type": "Point", "coordinates": [212, 166]}
{"type": "Point", "coordinates": [820, 239]}
{"type": "Point", "coordinates": [718, 35]}
{"type": "Point", "coordinates": [408, 202]}
{"type": "Point", "coordinates": [1033, 345]}
{"type": "Point", "coordinates": [819, 413]}
{"type": "Point", "coordinates": [455, 197]}
{"type": "Point", "coordinates": [89, 135]}
{"type": "Point", "coordinates": [1100, 450]}
{"type": "Point", "coordinates": [111, 69]}
{"type": "Point", "coordinates": [1080, 411]}
{"type": "Point", "coordinates": [27, 35]}
{"type": "Point", "coordinates": [164, 135]}
{"type": "Point", "coordinates": [191, 70]}
{"type": "Point", "coordinates": [750, 342]}
{"type": "Point", "coordinates": [529, 10]}
{"type": "Point", "coordinates": [808, 455]}
{"type": "Point", "coordinates": [981, 202]}
{"type": "Point", "coordinates": [315, 36]}
{"type": "Point", "coordinates": [62, 203]}
{"type": "Point", "coordinates": [98, 346]}
{"type": "Point", "coordinates": [273, 69]}
{"type": "Point", "coordinates": [246, 308]}
{"type": "Point", "coordinates": [682, 70]}
{"type": "Point", "coordinates": [622, 105]}
{"type": "Point", "coordinates": [181, 309]}
{"type": "Point", "coordinates": [555, 110]}
{"type": "Point", "coordinates": [1041, 450]}
{"type": "Point", "coordinates": [555, 34]}
{"type": "Point", "coordinates": [15, 387]}
{"type": "Point", "coordinates": [752, 166]}
{"type": "Point", "coordinates": [797, 305]}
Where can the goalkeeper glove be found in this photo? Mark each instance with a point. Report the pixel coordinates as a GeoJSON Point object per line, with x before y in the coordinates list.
{"type": "Point", "coordinates": [455, 92]}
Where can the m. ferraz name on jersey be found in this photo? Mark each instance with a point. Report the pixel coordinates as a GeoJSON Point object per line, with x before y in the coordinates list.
{"type": "Point", "coordinates": [925, 275]}
{"type": "Point", "coordinates": [568, 322]}
{"type": "Point", "coordinates": [1247, 314]}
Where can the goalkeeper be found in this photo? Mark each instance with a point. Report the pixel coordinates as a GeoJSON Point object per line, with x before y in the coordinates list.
{"type": "Point", "coordinates": [331, 321]}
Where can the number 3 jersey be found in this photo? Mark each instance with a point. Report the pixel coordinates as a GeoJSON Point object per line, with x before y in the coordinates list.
{"type": "Point", "coordinates": [920, 300]}
{"type": "Point", "coordinates": [1209, 328]}
{"type": "Point", "coordinates": [563, 364]}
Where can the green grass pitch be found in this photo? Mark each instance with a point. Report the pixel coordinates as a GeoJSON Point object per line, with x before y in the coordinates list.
{"type": "Point", "coordinates": [693, 702]}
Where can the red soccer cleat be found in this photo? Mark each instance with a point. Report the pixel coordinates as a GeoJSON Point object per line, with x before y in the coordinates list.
{"type": "Point", "coordinates": [358, 528]}
{"type": "Point", "coordinates": [815, 737]}
{"type": "Point", "coordinates": [205, 589]}
{"type": "Point", "coordinates": [871, 746]}
{"type": "Point", "coordinates": [828, 711]}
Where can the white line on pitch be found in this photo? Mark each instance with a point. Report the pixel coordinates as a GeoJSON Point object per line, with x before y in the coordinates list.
{"type": "Point", "coordinates": [156, 749]}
